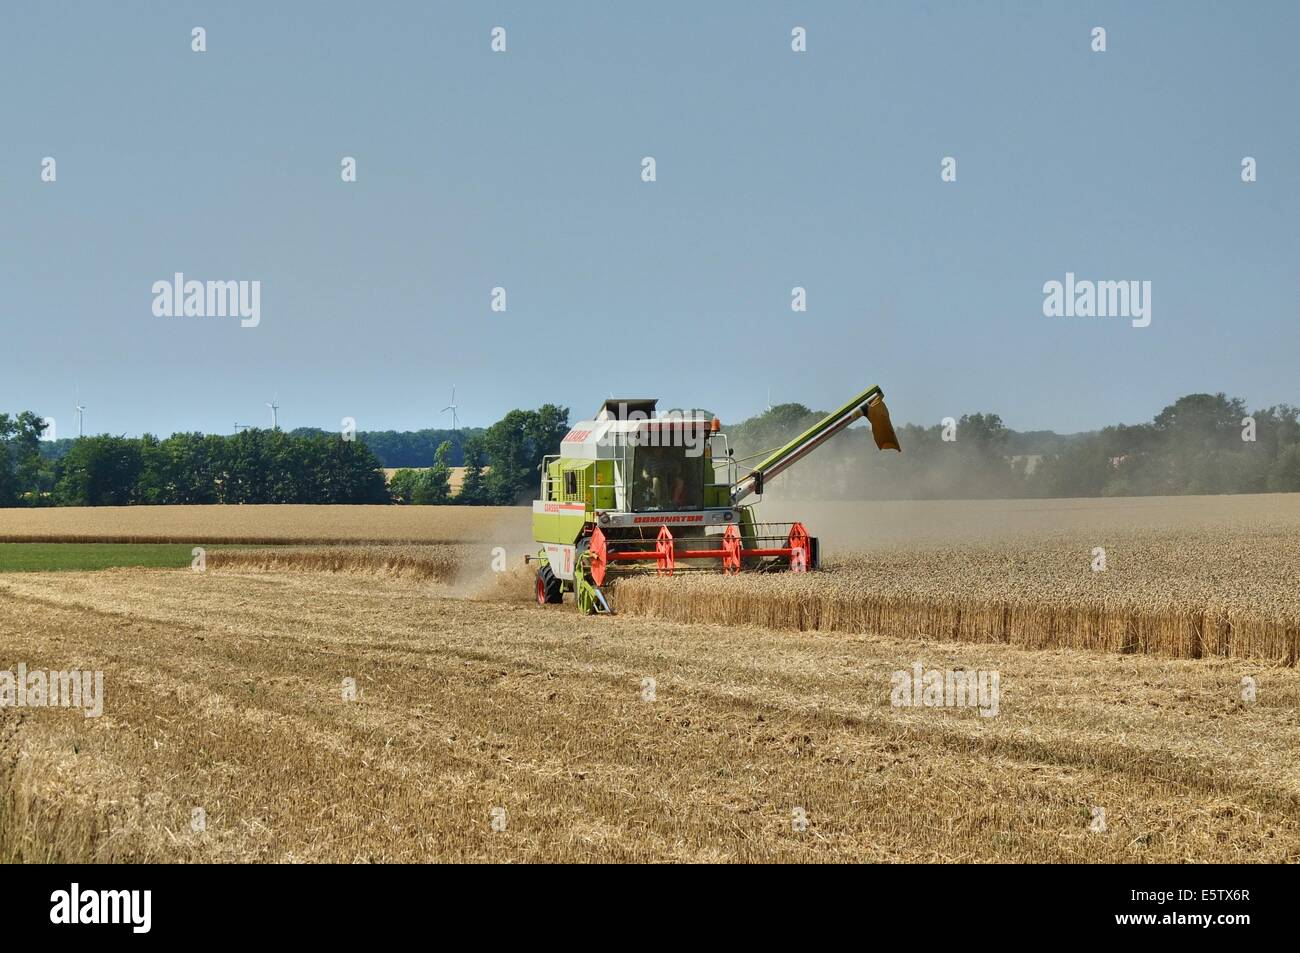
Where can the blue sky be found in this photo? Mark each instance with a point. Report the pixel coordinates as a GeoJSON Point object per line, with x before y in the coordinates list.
{"type": "Point", "coordinates": [522, 170]}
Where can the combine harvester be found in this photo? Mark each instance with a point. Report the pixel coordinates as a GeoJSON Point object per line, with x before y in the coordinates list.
{"type": "Point", "coordinates": [633, 491]}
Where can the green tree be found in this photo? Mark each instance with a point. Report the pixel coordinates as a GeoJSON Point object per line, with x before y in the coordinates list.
{"type": "Point", "coordinates": [26, 476]}
{"type": "Point", "coordinates": [35, 476]}
{"type": "Point", "coordinates": [472, 489]}
{"type": "Point", "coordinates": [191, 467]}
{"type": "Point", "coordinates": [432, 486]}
{"type": "Point", "coordinates": [413, 448]}
{"type": "Point", "coordinates": [515, 446]}
{"type": "Point", "coordinates": [8, 476]}
{"type": "Point", "coordinates": [1213, 417]}
{"type": "Point", "coordinates": [1082, 469]}
{"type": "Point", "coordinates": [439, 477]}
{"type": "Point", "coordinates": [241, 468]}
{"type": "Point", "coordinates": [1284, 477]}
{"type": "Point", "coordinates": [99, 471]}
{"type": "Point", "coordinates": [339, 471]}
{"type": "Point", "coordinates": [154, 482]}
{"type": "Point", "coordinates": [402, 485]}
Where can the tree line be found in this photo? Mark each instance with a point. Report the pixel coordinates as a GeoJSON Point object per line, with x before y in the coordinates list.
{"type": "Point", "coordinates": [393, 448]}
{"type": "Point", "coordinates": [254, 466]}
{"type": "Point", "coordinates": [1202, 443]}
{"type": "Point", "coordinates": [501, 463]}
{"type": "Point", "coordinates": [411, 448]}
{"type": "Point", "coordinates": [268, 466]}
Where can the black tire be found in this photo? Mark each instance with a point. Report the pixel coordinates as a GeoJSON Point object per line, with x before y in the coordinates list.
{"type": "Point", "coordinates": [814, 554]}
{"type": "Point", "coordinates": [548, 586]}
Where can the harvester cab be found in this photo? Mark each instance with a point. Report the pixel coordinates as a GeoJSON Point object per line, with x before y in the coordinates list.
{"type": "Point", "coordinates": [635, 490]}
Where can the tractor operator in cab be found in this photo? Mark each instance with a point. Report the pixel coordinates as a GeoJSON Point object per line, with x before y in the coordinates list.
{"type": "Point", "coordinates": [660, 487]}
{"type": "Point", "coordinates": [679, 490]}
{"type": "Point", "coordinates": [644, 494]}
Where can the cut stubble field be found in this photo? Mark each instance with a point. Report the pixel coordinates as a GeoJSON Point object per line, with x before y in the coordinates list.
{"type": "Point", "coordinates": [223, 691]}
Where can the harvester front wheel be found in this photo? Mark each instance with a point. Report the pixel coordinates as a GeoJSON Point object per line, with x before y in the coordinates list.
{"type": "Point", "coordinates": [548, 586]}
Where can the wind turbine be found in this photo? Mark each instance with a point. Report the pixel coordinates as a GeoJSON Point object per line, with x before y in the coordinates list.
{"type": "Point", "coordinates": [769, 398]}
{"type": "Point", "coordinates": [451, 405]}
{"type": "Point", "coordinates": [275, 421]}
{"type": "Point", "coordinates": [81, 411]}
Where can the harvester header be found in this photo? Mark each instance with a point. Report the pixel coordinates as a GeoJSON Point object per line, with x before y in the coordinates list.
{"type": "Point", "coordinates": [633, 490]}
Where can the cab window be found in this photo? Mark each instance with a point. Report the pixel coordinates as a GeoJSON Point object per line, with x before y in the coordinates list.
{"type": "Point", "coordinates": [665, 478]}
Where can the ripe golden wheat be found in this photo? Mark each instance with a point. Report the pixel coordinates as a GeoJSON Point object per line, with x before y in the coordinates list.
{"type": "Point", "coordinates": [262, 524]}
{"type": "Point", "coordinates": [435, 563]}
{"type": "Point", "coordinates": [1185, 596]}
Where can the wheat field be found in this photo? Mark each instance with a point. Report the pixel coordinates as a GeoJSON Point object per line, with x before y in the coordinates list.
{"type": "Point", "coordinates": [1182, 595]}
{"type": "Point", "coordinates": [499, 731]}
{"type": "Point", "coordinates": [697, 724]}
{"type": "Point", "coordinates": [842, 526]}
{"type": "Point", "coordinates": [260, 524]}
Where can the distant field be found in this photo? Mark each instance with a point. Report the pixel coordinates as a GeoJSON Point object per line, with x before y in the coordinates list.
{"type": "Point", "coordinates": [856, 527]}
{"type": "Point", "coordinates": [842, 526]}
{"type": "Point", "coordinates": [265, 524]}
{"type": "Point", "coordinates": [47, 557]}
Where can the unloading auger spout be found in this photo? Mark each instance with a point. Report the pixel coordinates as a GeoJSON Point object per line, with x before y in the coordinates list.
{"type": "Point", "coordinates": [870, 404]}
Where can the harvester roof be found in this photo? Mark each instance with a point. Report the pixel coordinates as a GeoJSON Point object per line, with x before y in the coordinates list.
{"type": "Point", "coordinates": [620, 408]}
{"type": "Point", "coordinates": [619, 418]}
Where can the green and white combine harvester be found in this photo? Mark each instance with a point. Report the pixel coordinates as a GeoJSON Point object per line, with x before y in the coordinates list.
{"type": "Point", "coordinates": [636, 491]}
